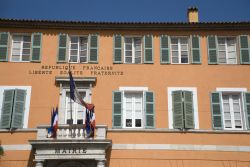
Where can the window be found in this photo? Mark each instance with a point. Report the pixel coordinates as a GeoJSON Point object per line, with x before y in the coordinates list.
{"type": "Point", "coordinates": [230, 109]}
{"type": "Point", "coordinates": [227, 50]}
{"type": "Point", "coordinates": [179, 50]}
{"type": "Point", "coordinates": [78, 52]}
{"type": "Point", "coordinates": [24, 47]}
{"type": "Point", "coordinates": [133, 108]}
{"type": "Point", "coordinates": [74, 110]}
{"type": "Point", "coordinates": [183, 108]}
{"type": "Point", "coordinates": [133, 49]}
{"type": "Point", "coordinates": [14, 106]}
{"type": "Point", "coordinates": [224, 50]}
{"type": "Point", "coordinates": [78, 48]}
{"type": "Point", "coordinates": [21, 48]}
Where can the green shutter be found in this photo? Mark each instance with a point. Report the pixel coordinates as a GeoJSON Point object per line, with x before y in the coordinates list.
{"type": "Point", "coordinates": [212, 49]}
{"type": "Point", "coordinates": [195, 49]}
{"type": "Point", "coordinates": [62, 48]}
{"type": "Point", "coordinates": [247, 108]}
{"type": "Point", "coordinates": [216, 110]}
{"type": "Point", "coordinates": [188, 109]}
{"type": "Point", "coordinates": [117, 109]}
{"type": "Point", "coordinates": [148, 49]}
{"type": "Point", "coordinates": [4, 41]}
{"type": "Point", "coordinates": [177, 109]}
{"type": "Point", "coordinates": [165, 58]}
{"type": "Point", "coordinates": [36, 47]}
{"type": "Point", "coordinates": [18, 109]}
{"type": "Point", "coordinates": [93, 56]}
{"type": "Point", "coordinates": [7, 108]}
{"type": "Point", "coordinates": [244, 49]}
{"type": "Point", "coordinates": [117, 41]}
{"type": "Point", "coordinates": [149, 110]}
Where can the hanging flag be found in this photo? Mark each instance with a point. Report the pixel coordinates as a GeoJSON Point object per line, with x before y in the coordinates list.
{"type": "Point", "coordinates": [75, 95]}
{"type": "Point", "coordinates": [54, 123]}
{"type": "Point", "coordinates": [90, 122]}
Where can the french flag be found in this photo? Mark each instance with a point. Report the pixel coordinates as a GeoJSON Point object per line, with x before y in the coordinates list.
{"type": "Point", "coordinates": [54, 124]}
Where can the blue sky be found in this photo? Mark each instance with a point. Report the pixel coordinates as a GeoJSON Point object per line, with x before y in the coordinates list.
{"type": "Point", "coordinates": [125, 10]}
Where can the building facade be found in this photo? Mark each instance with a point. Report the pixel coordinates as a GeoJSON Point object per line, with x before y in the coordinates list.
{"type": "Point", "coordinates": [165, 94]}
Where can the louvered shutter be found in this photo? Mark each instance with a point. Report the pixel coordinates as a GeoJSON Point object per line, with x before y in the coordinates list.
{"type": "Point", "coordinates": [188, 109]}
{"type": "Point", "coordinates": [117, 49]}
{"type": "Point", "coordinates": [18, 109]}
{"type": "Point", "coordinates": [216, 110]}
{"type": "Point", "coordinates": [244, 49]}
{"type": "Point", "coordinates": [36, 47]}
{"type": "Point", "coordinates": [247, 108]}
{"type": "Point", "coordinates": [177, 109]}
{"type": "Point", "coordinates": [195, 49]}
{"type": "Point", "coordinates": [212, 49]}
{"type": "Point", "coordinates": [148, 49]}
{"type": "Point", "coordinates": [93, 57]}
{"type": "Point", "coordinates": [149, 109]}
{"type": "Point", "coordinates": [62, 48]}
{"type": "Point", "coordinates": [4, 41]}
{"type": "Point", "coordinates": [117, 109]}
{"type": "Point", "coordinates": [7, 108]}
{"type": "Point", "coordinates": [165, 58]}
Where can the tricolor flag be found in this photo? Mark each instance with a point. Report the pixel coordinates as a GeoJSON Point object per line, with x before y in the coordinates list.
{"type": "Point", "coordinates": [54, 124]}
{"type": "Point", "coordinates": [90, 114]}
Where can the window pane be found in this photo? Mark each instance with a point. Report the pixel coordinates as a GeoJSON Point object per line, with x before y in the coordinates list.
{"type": "Point", "coordinates": [183, 40]}
{"type": "Point", "coordinates": [17, 38]}
{"type": "Point", "coordinates": [184, 47]}
{"type": "Point", "coordinates": [25, 57]}
{"type": "Point", "coordinates": [73, 52]}
{"type": "Point", "coordinates": [16, 51]}
{"type": "Point", "coordinates": [222, 57]}
{"type": "Point", "coordinates": [221, 40]}
{"type": "Point", "coordinates": [226, 107]}
{"type": "Point", "coordinates": [227, 115]}
{"type": "Point", "coordinates": [128, 47]}
{"type": "Point", "coordinates": [74, 39]}
{"type": "Point", "coordinates": [237, 116]}
{"type": "Point", "coordinates": [15, 58]}
{"type": "Point", "coordinates": [238, 124]}
{"type": "Point", "coordinates": [26, 38]}
{"type": "Point", "coordinates": [83, 59]}
{"type": "Point", "coordinates": [184, 60]}
{"type": "Point", "coordinates": [128, 122]}
{"type": "Point", "coordinates": [83, 53]}
{"type": "Point", "coordinates": [222, 47]}
{"type": "Point", "coordinates": [228, 124]}
{"type": "Point", "coordinates": [174, 40]}
{"type": "Point", "coordinates": [26, 45]}
{"type": "Point", "coordinates": [74, 46]}
{"type": "Point", "coordinates": [137, 60]}
{"type": "Point", "coordinates": [138, 123]}
{"type": "Point", "coordinates": [128, 60]}
{"type": "Point", "coordinates": [174, 47]}
{"type": "Point", "coordinates": [73, 58]}
{"type": "Point", "coordinates": [175, 60]}
{"type": "Point", "coordinates": [26, 51]}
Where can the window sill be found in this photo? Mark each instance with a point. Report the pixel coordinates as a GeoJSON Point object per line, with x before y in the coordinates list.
{"type": "Point", "coordinates": [163, 130]}
{"type": "Point", "coordinates": [18, 130]}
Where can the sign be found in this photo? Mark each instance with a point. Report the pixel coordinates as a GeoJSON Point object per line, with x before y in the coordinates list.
{"type": "Point", "coordinates": [70, 150]}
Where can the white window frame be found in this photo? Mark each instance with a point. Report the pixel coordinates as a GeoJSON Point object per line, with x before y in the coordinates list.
{"type": "Point", "coordinates": [21, 55]}
{"type": "Point", "coordinates": [141, 90]}
{"type": "Point", "coordinates": [225, 37]}
{"type": "Point", "coordinates": [179, 49]}
{"type": "Point", "coordinates": [170, 106]}
{"type": "Point", "coordinates": [62, 101]}
{"type": "Point", "coordinates": [27, 101]}
{"type": "Point", "coordinates": [133, 49]}
{"type": "Point", "coordinates": [78, 49]}
{"type": "Point", "coordinates": [230, 91]}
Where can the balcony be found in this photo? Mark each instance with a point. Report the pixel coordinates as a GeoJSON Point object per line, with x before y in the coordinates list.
{"type": "Point", "coordinates": [71, 144]}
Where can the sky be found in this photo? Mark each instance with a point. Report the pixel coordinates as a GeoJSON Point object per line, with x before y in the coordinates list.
{"type": "Point", "coordinates": [125, 10]}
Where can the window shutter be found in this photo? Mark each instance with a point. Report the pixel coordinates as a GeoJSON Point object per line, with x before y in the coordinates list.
{"type": "Point", "coordinates": [117, 49]}
{"type": "Point", "coordinates": [148, 49]}
{"type": "Point", "coordinates": [195, 49]}
{"type": "Point", "coordinates": [247, 108]}
{"type": "Point", "coordinates": [177, 109]}
{"type": "Point", "coordinates": [117, 109]}
{"type": "Point", "coordinates": [188, 109]}
{"type": "Point", "coordinates": [7, 108]}
{"type": "Point", "coordinates": [149, 110]}
{"type": "Point", "coordinates": [93, 57]}
{"type": "Point", "coordinates": [165, 49]}
{"type": "Point", "coordinates": [212, 49]}
{"type": "Point", "coordinates": [36, 47]}
{"type": "Point", "coordinates": [244, 49]}
{"type": "Point", "coordinates": [18, 109]}
{"type": "Point", "coordinates": [62, 48]}
{"type": "Point", "coordinates": [216, 110]}
{"type": "Point", "coordinates": [4, 41]}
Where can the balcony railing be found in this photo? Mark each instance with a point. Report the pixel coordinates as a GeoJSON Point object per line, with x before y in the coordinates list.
{"type": "Point", "coordinates": [71, 132]}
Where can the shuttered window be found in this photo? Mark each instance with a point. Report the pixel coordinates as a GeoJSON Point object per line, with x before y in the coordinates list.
{"type": "Point", "coordinates": [165, 55]}
{"type": "Point", "coordinates": [133, 49]}
{"type": "Point", "coordinates": [12, 114]}
{"type": "Point", "coordinates": [133, 109]}
{"type": "Point", "coordinates": [228, 110]}
{"type": "Point", "coordinates": [183, 112]}
{"type": "Point", "coordinates": [244, 49]}
{"type": "Point", "coordinates": [78, 49]}
{"type": "Point", "coordinates": [195, 49]}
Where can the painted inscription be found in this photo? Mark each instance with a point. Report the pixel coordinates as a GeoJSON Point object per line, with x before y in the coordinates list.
{"type": "Point", "coordinates": [70, 150]}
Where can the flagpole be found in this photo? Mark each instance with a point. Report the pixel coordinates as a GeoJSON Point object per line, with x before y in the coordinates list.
{"type": "Point", "coordinates": [71, 116]}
